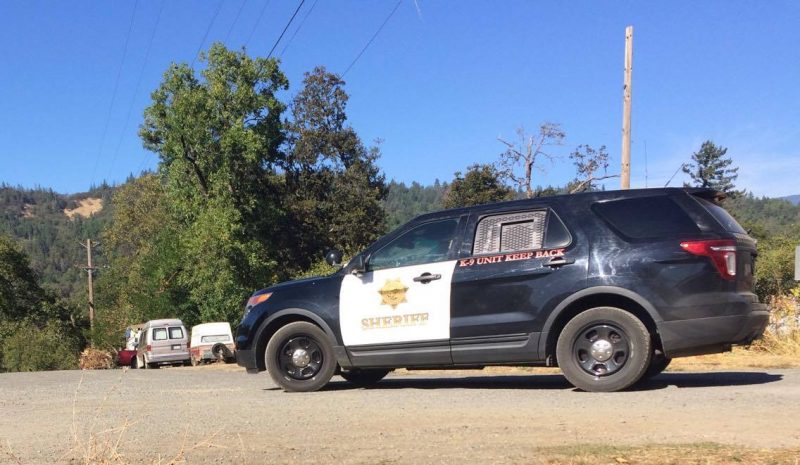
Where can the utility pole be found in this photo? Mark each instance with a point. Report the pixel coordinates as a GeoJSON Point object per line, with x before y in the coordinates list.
{"type": "Point", "coordinates": [90, 273]}
{"type": "Point", "coordinates": [625, 178]}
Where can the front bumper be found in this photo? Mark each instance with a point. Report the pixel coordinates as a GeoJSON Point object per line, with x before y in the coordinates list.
{"type": "Point", "coordinates": [713, 334]}
{"type": "Point", "coordinates": [247, 359]}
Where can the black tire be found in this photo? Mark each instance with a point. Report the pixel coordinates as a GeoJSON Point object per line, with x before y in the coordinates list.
{"type": "Point", "coordinates": [658, 363]}
{"type": "Point", "coordinates": [364, 378]}
{"type": "Point", "coordinates": [134, 363]}
{"type": "Point", "coordinates": [604, 349]}
{"type": "Point", "coordinates": [299, 357]}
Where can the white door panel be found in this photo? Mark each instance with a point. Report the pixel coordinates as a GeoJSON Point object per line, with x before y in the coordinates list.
{"type": "Point", "coordinates": [387, 306]}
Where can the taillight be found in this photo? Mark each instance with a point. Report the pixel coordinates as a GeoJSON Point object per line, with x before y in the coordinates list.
{"type": "Point", "coordinates": [722, 253]}
{"type": "Point", "coordinates": [148, 348]}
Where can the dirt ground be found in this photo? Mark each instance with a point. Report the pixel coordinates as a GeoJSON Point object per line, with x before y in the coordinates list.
{"type": "Point", "coordinates": [220, 414]}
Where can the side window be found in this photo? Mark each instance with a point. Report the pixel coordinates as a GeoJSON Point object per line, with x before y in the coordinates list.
{"type": "Point", "coordinates": [176, 333]}
{"type": "Point", "coordinates": [427, 243]}
{"type": "Point", "coordinates": [647, 217]}
{"type": "Point", "coordinates": [515, 232]}
{"type": "Point", "coordinates": [160, 334]}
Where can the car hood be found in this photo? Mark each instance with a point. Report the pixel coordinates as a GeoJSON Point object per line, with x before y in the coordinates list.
{"type": "Point", "coordinates": [296, 283]}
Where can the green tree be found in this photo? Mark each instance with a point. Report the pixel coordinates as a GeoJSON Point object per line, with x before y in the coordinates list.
{"type": "Point", "coordinates": [218, 137]}
{"type": "Point", "coordinates": [711, 168]}
{"type": "Point", "coordinates": [20, 293]}
{"type": "Point", "coordinates": [333, 184]}
{"type": "Point", "coordinates": [480, 184]}
{"type": "Point", "coordinates": [146, 258]}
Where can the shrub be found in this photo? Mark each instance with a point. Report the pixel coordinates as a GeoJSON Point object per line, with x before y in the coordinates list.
{"type": "Point", "coordinates": [96, 359]}
{"type": "Point", "coordinates": [782, 336]}
{"type": "Point", "coordinates": [27, 347]}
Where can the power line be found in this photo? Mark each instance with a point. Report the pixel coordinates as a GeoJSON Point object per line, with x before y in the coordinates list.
{"type": "Point", "coordinates": [208, 29]}
{"type": "Point", "coordinates": [258, 21]}
{"type": "Point", "coordinates": [114, 92]}
{"type": "Point", "coordinates": [136, 89]}
{"type": "Point", "coordinates": [297, 10]}
{"type": "Point", "coordinates": [235, 20]}
{"type": "Point", "coordinates": [373, 37]}
{"type": "Point", "coordinates": [299, 26]}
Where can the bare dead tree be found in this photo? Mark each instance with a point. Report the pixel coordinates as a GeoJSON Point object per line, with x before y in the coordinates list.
{"type": "Point", "coordinates": [588, 162]}
{"type": "Point", "coordinates": [526, 154]}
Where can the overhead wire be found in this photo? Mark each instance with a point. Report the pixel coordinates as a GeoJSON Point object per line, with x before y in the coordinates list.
{"type": "Point", "coordinates": [297, 10]}
{"type": "Point", "coordinates": [136, 88]}
{"type": "Point", "coordinates": [208, 30]}
{"type": "Point", "coordinates": [299, 26]}
{"type": "Point", "coordinates": [258, 21]}
{"type": "Point", "coordinates": [235, 20]}
{"type": "Point", "coordinates": [114, 92]}
{"type": "Point", "coordinates": [372, 38]}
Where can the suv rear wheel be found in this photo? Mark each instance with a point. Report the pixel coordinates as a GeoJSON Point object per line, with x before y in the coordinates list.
{"type": "Point", "coordinates": [299, 357]}
{"type": "Point", "coordinates": [603, 349]}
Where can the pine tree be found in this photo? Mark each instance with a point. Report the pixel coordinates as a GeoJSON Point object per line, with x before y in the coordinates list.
{"type": "Point", "coordinates": [711, 168]}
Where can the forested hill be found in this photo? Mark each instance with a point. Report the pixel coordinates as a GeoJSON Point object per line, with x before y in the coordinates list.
{"type": "Point", "coordinates": [50, 228]}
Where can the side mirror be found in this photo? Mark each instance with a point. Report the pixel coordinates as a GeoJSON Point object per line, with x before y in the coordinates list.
{"type": "Point", "coordinates": [333, 257]}
{"type": "Point", "coordinates": [358, 265]}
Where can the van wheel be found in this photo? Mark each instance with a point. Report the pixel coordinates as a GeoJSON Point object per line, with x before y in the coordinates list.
{"type": "Point", "coordinates": [603, 349]}
{"type": "Point", "coordinates": [364, 377]}
{"type": "Point", "coordinates": [299, 357]}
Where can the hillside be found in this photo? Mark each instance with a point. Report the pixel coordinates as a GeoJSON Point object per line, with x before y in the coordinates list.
{"type": "Point", "coordinates": [794, 199]}
{"type": "Point", "coordinates": [50, 228]}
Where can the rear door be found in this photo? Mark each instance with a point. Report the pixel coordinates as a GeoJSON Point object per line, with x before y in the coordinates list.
{"type": "Point", "coordinates": [513, 265]}
{"type": "Point", "coordinates": [398, 312]}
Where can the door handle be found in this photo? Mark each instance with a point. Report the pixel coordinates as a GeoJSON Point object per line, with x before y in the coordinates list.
{"type": "Point", "coordinates": [558, 261]}
{"type": "Point", "coordinates": [425, 278]}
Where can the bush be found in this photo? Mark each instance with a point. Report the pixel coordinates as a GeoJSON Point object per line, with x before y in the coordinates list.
{"type": "Point", "coordinates": [782, 336]}
{"type": "Point", "coordinates": [96, 359]}
{"type": "Point", "coordinates": [27, 347]}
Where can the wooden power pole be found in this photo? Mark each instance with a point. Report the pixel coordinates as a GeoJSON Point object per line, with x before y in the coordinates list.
{"type": "Point", "coordinates": [625, 178]}
{"type": "Point", "coordinates": [90, 273]}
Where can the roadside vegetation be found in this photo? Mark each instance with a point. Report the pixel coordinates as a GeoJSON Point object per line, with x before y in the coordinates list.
{"type": "Point", "coordinates": [253, 185]}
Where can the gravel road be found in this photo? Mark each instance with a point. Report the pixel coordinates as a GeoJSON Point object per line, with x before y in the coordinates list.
{"type": "Point", "coordinates": [221, 414]}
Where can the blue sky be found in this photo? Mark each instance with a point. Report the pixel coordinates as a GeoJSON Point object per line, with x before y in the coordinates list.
{"type": "Point", "coordinates": [440, 83]}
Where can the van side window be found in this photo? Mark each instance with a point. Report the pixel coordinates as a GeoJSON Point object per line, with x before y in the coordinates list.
{"type": "Point", "coordinates": [510, 232]}
{"type": "Point", "coordinates": [160, 334]}
{"type": "Point", "coordinates": [176, 333]}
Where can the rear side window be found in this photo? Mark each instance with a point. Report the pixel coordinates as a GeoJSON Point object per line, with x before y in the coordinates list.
{"type": "Point", "coordinates": [160, 334]}
{"type": "Point", "coordinates": [176, 333]}
{"type": "Point", "coordinates": [721, 215]}
{"type": "Point", "coordinates": [647, 217]}
{"type": "Point", "coordinates": [520, 231]}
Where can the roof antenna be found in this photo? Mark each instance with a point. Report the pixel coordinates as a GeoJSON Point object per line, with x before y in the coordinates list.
{"type": "Point", "coordinates": [675, 174]}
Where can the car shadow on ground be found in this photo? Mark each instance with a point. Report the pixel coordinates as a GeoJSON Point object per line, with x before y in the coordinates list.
{"type": "Point", "coordinates": [557, 381]}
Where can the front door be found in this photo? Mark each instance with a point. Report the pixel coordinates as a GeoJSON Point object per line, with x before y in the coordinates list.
{"type": "Point", "coordinates": [398, 312]}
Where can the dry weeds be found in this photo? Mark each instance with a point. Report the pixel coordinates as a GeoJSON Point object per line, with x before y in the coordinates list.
{"type": "Point", "coordinates": [662, 454]}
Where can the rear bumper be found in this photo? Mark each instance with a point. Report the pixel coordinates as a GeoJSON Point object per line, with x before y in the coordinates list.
{"type": "Point", "coordinates": [713, 334]}
{"type": "Point", "coordinates": [247, 359]}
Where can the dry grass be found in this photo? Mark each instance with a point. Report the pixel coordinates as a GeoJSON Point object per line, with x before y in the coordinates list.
{"type": "Point", "coordinates": [95, 446]}
{"type": "Point", "coordinates": [658, 454]}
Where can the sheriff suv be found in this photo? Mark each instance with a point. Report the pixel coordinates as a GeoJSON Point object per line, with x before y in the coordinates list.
{"type": "Point", "coordinates": [609, 286]}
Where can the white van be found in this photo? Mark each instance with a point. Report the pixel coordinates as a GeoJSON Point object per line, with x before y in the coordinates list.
{"type": "Point", "coordinates": [212, 341]}
{"type": "Point", "coordinates": [162, 342]}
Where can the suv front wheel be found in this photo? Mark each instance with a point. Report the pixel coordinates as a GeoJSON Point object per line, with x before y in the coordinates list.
{"type": "Point", "coordinates": [603, 349]}
{"type": "Point", "coordinates": [299, 357]}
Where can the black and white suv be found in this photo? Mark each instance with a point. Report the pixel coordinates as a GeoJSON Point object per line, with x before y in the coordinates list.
{"type": "Point", "coordinates": [609, 286]}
